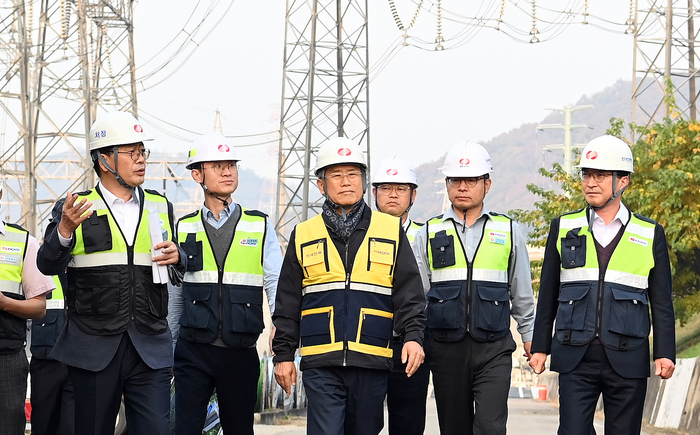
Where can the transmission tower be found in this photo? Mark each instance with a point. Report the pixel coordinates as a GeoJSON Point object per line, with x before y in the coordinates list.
{"type": "Point", "coordinates": [664, 47]}
{"type": "Point", "coordinates": [325, 94]}
{"type": "Point", "coordinates": [64, 61]}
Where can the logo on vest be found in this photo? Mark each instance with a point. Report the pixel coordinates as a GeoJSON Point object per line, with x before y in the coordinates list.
{"type": "Point", "coordinates": [498, 238]}
{"type": "Point", "coordinates": [639, 241]}
{"type": "Point", "coordinates": [8, 258]}
{"type": "Point", "coordinates": [11, 249]}
{"type": "Point", "coordinates": [249, 242]}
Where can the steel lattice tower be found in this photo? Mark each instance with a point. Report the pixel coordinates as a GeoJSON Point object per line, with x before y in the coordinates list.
{"type": "Point", "coordinates": [64, 61]}
{"type": "Point", "coordinates": [325, 94]}
{"type": "Point", "coordinates": [665, 38]}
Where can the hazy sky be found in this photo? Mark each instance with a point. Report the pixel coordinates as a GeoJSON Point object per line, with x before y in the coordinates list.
{"type": "Point", "coordinates": [421, 102]}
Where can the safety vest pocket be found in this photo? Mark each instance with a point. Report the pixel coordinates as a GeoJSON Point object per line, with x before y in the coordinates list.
{"type": "Point", "coordinates": [375, 327]}
{"type": "Point", "coordinates": [194, 253]}
{"type": "Point", "coordinates": [316, 327]}
{"type": "Point", "coordinates": [97, 294]}
{"type": "Point", "coordinates": [97, 234]}
{"type": "Point", "coordinates": [629, 314]}
{"type": "Point", "coordinates": [492, 308]}
{"type": "Point", "coordinates": [446, 309]}
{"type": "Point", "coordinates": [442, 248]}
{"type": "Point", "coordinates": [382, 253]}
{"type": "Point", "coordinates": [12, 327]}
{"type": "Point", "coordinates": [158, 300]}
{"type": "Point", "coordinates": [573, 307]}
{"type": "Point", "coordinates": [245, 310]}
{"type": "Point", "coordinates": [314, 257]}
{"type": "Point", "coordinates": [46, 330]}
{"type": "Point", "coordinates": [573, 250]}
{"type": "Point", "coordinates": [196, 312]}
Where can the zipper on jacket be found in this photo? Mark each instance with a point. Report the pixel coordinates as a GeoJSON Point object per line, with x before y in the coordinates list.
{"type": "Point", "coordinates": [221, 302]}
{"type": "Point", "coordinates": [599, 308]}
{"type": "Point", "coordinates": [132, 295]}
{"type": "Point", "coordinates": [347, 291]}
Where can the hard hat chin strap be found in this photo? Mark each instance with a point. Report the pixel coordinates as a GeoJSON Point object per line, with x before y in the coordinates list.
{"type": "Point", "coordinates": [376, 204]}
{"type": "Point", "coordinates": [614, 195]}
{"type": "Point", "coordinates": [206, 190]}
{"type": "Point", "coordinates": [119, 178]}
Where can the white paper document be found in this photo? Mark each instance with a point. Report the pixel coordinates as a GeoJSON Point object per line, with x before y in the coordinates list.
{"type": "Point", "coordinates": [160, 273]}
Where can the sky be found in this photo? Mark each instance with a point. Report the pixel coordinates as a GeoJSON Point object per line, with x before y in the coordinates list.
{"type": "Point", "coordinates": [421, 102]}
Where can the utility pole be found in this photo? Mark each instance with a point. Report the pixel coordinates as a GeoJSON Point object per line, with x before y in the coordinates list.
{"type": "Point", "coordinates": [568, 146]}
{"type": "Point", "coordinates": [325, 93]}
{"type": "Point", "coordinates": [664, 48]}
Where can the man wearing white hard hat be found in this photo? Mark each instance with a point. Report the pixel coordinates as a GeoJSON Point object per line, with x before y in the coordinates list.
{"type": "Point", "coordinates": [348, 278]}
{"type": "Point", "coordinates": [604, 267]}
{"type": "Point", "coordinates": [476, 273]}
{"type": "Point", "coordinates": [394, 186]}
{"type": "Point", "coordinates": [233, 258]}
{"type": "Point", "coordinates": [23, 290]}
{"type": "Point", "coordinates": [110, 241]}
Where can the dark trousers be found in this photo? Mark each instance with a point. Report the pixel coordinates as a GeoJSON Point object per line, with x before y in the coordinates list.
{"type": "Point", "coordinates": [98, 395]}
{"type": "Point", "coordinates": [579, 390]}
{"type": "Point", "coordinates": [345, 400]}
{"type": "Point", "coordinates": [14, 369]}
{"type": "Point", "coordinates": [53, 409]}
{"type": "Point", "coordinates": [199, 369]}
{"type": "Point", "coordinates": [406, 397]}
{"type": "Point", "coordinates": [471, 381]}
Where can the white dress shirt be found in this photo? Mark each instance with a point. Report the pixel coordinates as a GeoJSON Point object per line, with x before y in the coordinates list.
{"type": "Point", "coordinates": [604, 234]}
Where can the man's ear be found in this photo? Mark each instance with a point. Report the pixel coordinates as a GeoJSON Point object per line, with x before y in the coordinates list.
{"type": "Point", "coordinates": [319, 184]}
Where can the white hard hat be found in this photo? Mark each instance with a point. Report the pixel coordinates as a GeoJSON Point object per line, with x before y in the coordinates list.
{"type": "Point", "coordinates": [339, 151]}
{"type": "Point", "coordinates": [467, 159]}
{"type": "Point", "coordinates": [211, 147]}
{"type": "Point", "coordinates": [395, 169]}
{"type": "Point", "coordinates": [607, 153]}
{"type": "Point", "coordinates": [116, 128]}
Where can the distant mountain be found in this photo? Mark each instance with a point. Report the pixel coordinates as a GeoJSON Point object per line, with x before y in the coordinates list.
{"type": "Point", "coordinates": [518, 154]}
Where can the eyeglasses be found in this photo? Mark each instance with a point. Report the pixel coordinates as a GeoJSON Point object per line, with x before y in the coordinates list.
{"type": "Point", "coordinates": [457, 181]}
{"type": "Point", "coordinates": [401, 189]}
{"type": "Point", "coordinates": [338, 177]}
{"type": "Point", "coordinates": [137, 153]}
{"type": "Point", "coordinates": [598, 176]}
{"type": "Point", "coordinates": [218, 167]}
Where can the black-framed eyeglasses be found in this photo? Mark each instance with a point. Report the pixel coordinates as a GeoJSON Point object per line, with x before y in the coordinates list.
{"type": "Point", "coordinates": [219, 167]}
{"type": "Point", "coordinates": [597, 176]}
{"type": "Point", "coordinates": [401, 189]}
{"type": "Point", "coordinates": [136, 153]}
{"type": "Point", "coordinates": [457, 181]}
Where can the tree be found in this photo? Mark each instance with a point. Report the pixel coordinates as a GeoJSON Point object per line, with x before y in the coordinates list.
{"type": "Point", "coordinates": [665, 187]}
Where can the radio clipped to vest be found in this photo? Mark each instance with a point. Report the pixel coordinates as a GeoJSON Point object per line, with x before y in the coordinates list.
{"type": "Point", "coordinates": [443, 250]}
{"type": "Point", "coordinates": [573, 249]}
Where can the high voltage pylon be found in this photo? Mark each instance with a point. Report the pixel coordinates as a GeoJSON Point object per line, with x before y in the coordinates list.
{"type": "Point", "coordinates": [325, 94]}
{"type": "Point", "coordinates": [63, 62]}
{"type": "Point", "coordinates": [665, 40]}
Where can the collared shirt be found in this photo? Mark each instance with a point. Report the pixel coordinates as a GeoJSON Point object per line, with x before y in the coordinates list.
{"type": "Point", "coordinates": [126, 214]}
{"type": "Point", "coordinates": [604, 234]}
{"type": "Point", "coordinates": [519, 279]}
{"type": "Point", "coordinates": [406, 224]}
{"type": "Point", "coordinates": [223, 216]}
{"type": "Point", "coordinates": [34, 283]}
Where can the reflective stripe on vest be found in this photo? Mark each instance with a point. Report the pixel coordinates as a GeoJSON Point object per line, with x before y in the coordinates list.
{"type": "Point", "coordinates": [491, 259]}
{"type": "Point", "coordinates": [637, 242]}
{"type": "Point", "coordinates": [56, 302]}
{"type": "Point", "coordinates": [369, 282]}
{"type": "Point", "coordinates": [243, 265]}
{"type": "Point", "coordinates": [13, 247]}
{"type": "Point", "coordinates": [118, 254]}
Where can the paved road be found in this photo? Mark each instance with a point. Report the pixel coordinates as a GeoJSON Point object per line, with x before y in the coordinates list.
{"type": "Point", "coordinates": [527, 417]}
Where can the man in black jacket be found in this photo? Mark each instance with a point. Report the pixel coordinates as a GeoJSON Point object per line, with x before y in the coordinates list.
{"type": "Point", "coordinates": [602, 267]}
{"type": "Point", "coordinates": [348, 275]}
